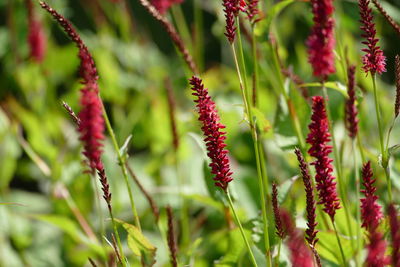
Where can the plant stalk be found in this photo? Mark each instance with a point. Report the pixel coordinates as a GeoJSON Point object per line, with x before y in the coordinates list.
{"type": "Point", "coordinates": [384, 153]}
{"type": "Point", "coordinates": [122, 163]}
{"type": "Point", "coordinates": [253, 260]}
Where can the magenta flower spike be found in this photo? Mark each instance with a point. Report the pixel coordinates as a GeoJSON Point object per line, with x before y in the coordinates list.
{"type": "Point", "coordinates": [371, 216]}
{"type": "Point", "coordinates": [318, 138]}
{"type": "Point", "coordinates": [321, 41]}
{"type": "Point", "coordinates": [311, 232]}
{"type": "Point", "coordinates": [91, 122]}
{"type": "Point", "coordinates": [373, 60]}
{"type": "Point", "coordinates": [214, 136]}
{"type": "Point", "coordinates": [231, 11]}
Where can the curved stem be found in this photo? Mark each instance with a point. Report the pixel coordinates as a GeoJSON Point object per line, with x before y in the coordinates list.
{"type": "Point", "coordinates": [385, 159]}
{"type": "Point", "coordinates": [253, 260]}
{"type": "Point", "coordinates": [122, 163]}
{"type": "Point", "coordinates": [339, 243]}
{"type": "Point", "coordinates": [255, 66]}
{"type": "Point", "coordinates": [262, 179]}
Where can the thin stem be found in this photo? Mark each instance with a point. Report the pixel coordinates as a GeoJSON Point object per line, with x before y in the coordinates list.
{"type": "Point", "coordinates": [198, 35]}
{"type": "Point", "coordinates": [122, 163]}
{"type": "Point", "coordinates": [385, 159]}
{"type": "Point", "coordinates": [343, 193]}
{"type": "Point", "coordinates": [253, 260]}
{"type": "Point", "coordinates": [292, 111]}
{"type": "Point", "coordinates": [357, 176]}
{"type": "Point", "coordinates": [182, 25]}
{"type": "Point", "coordinates": [262, 179]}
{"type": "Point", "coordinates": [241, 59]}
{"type": "Point", "coordinates": [255, 66]}
{"type": "Point", "coordinates": [339, 243]}
{"type": "Point", "coordinates": [360, 147]}
{"type": "Point", "coordinates": [279, 253]}
{"type": "Point", "coordinates": [378, 115]}
{"type": "Point", "coordinates": [121, 251]}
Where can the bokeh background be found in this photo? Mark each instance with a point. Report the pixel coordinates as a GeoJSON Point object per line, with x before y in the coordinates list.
{"type": "Point", "coordinates": [42, 170]}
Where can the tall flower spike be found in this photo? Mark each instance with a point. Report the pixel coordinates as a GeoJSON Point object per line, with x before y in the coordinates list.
{"type": "Point", "coordinates": [371, 216]}
{"type": "Point", "coordinates": [311, 232]}
{"type": "Point", "coordinates": [371, 213]}
{"type": "Point", "coordinates": [397, 74]}
{"type": "Point", "coordinates": [277, 215]}
{"type": "Point", "coordinates": [230, 10]}
{"type": "Point", "coordinates": [373, 60]}
{"type": "Point", "coordinates": [214, 136]}
{"type": "Point", "coordinates": [321, 41]}
{"type": "Point", "coordinates": [91, 122]}
{"type": "Point", "coordinates": [318, 138]}
{"type": "Point", "coordinates": [163, 5]}
{"type": "Point", "coordinates": [36, 35]}
{"type": "Point", "coordinates": [395, 234]}
{"type": "Point", "coordinates": [351, 108]}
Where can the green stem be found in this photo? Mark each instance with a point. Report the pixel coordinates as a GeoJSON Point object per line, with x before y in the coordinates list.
{"type": "Point", "coordinates": [182, 25]}
{"type": "Point", "coordinates": [241, 60]}
{"type": "Point", "coordinates": [262, 179]}
{"type": "Point", "coordinates": [357, 176]}
{"type": "Point", "coordinates": [255, 63]}
{"type": "Point", "coordinates": [360, 147]}
{"type": "Point", "coordinates": [121, 251]}
{"type": "Point", "coordinates": [339, 243]}
{"type": "Point", "coordinates": [343, 193]}
{"type": "Point", "coordinates": [292, 111]}
{"type": "Point", "coordinates": [122, 163]}
{"type": "Point", "coordinates": [385, 159]}
{"type": "Point", "coordinates": [279, 253]}
{"type": "Point", "coordinates": [253, 260]}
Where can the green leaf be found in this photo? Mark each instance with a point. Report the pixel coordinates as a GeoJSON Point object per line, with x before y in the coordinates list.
{"type": "Point", "coordinates": [235, 249]}
{"type": "Point", "coordinates": [328, 248]}
{"type": "Point", "coordinates": [139, 244]}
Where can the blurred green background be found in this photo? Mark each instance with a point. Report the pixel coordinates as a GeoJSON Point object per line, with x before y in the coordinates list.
{"type": "Point", "coordinates": [41, 166]}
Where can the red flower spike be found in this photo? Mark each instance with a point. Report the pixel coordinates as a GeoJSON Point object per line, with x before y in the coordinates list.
{"type": "Point", "coordinates": [300, 253]}
{"type": "Point", "coordinates": [252, 10]}
{"type": "Point", "coordinates": [371, 216]}
{"type": "Point", "coordinates": [395, 234]}
{"type": "Point", "coordinates": [231, 10]}
{"type": "Point", "coordinates": [214, 137]}
{"type": "Point", "coordinates": [373, 60]}
{"type": "Point", "coordinates": [311, 232]}
{"type": "Point", "coordinates": [163, 5]}
{"type": "Point", "coordinates": [321, 41]}
{"type": "Point", "coordinates": [371, 213]}
{"type": "Point", "coordinates": [91, 125]}
{"type": "Point", "coordinates": [318, 138]}
{"type": "Point", "coordinates": [351, 108]}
